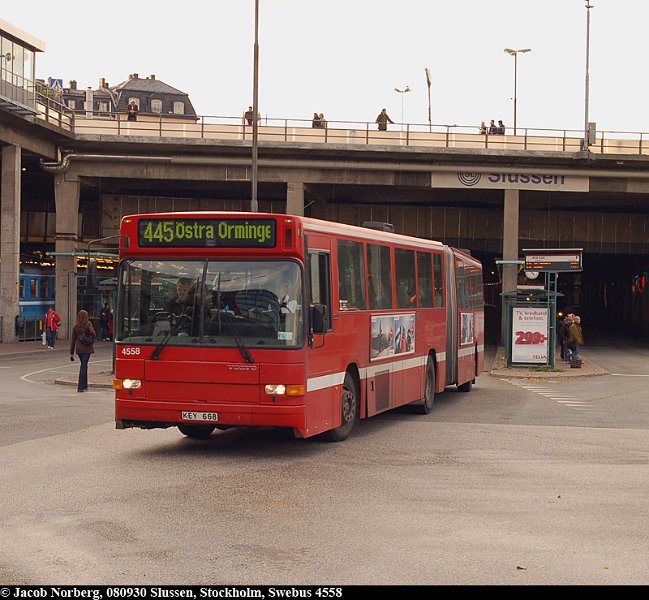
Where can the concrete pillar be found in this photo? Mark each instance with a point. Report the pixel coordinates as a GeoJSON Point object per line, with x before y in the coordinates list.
{"type": "Point", "coordinates": [295, 198]}
{"type": "Point", "coordinates": [9, 240]}
{"type": "Point", "coordinates": [510, 247]}
{"type": "Point", "coordinates": [66, 195]}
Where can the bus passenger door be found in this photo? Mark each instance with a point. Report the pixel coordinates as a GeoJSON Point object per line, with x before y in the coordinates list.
{"type": "Point", "coordinates": [321, 361]}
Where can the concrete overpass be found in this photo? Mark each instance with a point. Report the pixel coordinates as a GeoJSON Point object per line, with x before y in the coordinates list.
{"type": "Point", "coordinates": [491, 194]}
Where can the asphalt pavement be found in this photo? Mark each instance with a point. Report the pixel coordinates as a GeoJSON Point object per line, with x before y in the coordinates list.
{"type": "Point", "coordinates": [103, 379]}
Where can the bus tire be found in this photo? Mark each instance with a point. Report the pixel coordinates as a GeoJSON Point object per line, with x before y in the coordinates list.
{"type": "Point", "coordinates": [199, 432]}
{"type": "Point", "coordinates": [429, 388]}
{"type": "Point", "coordinates": [349, 409]}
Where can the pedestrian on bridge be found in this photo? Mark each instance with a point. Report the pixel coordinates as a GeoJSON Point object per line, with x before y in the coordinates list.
{"type": "Point", "coordinates": [131, 111]}
{"type": "Point", "coordinates": [383, 119]}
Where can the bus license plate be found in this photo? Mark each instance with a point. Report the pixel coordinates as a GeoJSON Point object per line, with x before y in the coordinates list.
{"type": "Point", "coordinates": [189, 415]}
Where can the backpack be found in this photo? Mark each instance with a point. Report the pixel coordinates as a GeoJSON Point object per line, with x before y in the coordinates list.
{"type": "Point", "coordinates": [86, 339]}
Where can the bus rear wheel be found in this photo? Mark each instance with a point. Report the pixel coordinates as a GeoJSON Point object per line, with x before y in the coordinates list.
{"type": "Point", "coordinates": [349, 410]}
{"type": "Point", "coordinates": [429, 389]}
{"type": "Point", "coordinates": [200, 432]}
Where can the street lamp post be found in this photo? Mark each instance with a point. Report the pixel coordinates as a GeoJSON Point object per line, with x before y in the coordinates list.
{"type": "Point", "coordinates": [586, 127]}
{"type": "Point", "coordinates": [515, 54]}
{"type": "Point", "coordinates": [429, 80]}
{"type": "Point", "coordinates": [254, 205]}
{"type": "Point", "coordinates": [402, 92]}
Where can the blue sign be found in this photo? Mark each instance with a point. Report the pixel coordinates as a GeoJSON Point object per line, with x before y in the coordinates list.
{"type": "Point", "coordinates": [55, 84]}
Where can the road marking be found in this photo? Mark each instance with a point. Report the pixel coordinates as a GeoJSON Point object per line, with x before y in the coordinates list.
{"type": "Point", "coordinates": [25, 377]}
{"type": "Point", "coordinates": [553, 394]}
{"type": "Point", "coordinates": [628, 375]}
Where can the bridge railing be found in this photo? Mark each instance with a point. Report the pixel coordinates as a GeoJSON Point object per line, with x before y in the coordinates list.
{"type": "Point", "coordinates": [416, 135]}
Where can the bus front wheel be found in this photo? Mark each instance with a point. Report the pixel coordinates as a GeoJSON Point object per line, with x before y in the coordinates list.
{"type": "Point", "coordinates": [200, 432]}
{"type": "Point", "coordinates": [349, 410]}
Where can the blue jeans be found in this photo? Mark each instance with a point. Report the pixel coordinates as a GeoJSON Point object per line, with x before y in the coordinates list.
{"type": "Point", "coordinates": [83, 372]}
{"type": "Point", "coordinates": [50, 336]}
{"type": "Point", "coordinates": [575, 353]}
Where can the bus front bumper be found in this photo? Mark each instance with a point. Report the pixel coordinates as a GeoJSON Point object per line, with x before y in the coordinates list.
{"type": "Point", "coordinates": [152, 415]}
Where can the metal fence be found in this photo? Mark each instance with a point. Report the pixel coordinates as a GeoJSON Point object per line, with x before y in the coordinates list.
{"type": "Point", "coordinates": [357, 133]}
{"type": "Point", "coordinates": [32, 331]}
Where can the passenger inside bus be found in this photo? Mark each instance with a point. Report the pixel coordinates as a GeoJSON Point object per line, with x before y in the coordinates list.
{"type": "Point", "coordinates": [178, 304]}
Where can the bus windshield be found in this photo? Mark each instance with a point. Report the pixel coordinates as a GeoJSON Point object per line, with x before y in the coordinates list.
{"type": "Point", "coordinates": [216, 303]}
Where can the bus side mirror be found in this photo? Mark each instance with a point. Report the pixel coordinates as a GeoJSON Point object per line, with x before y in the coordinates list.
{"type": "Point", "coordinates": [319, 318]}
{"type": "Point", "coordinates": [91, 275]}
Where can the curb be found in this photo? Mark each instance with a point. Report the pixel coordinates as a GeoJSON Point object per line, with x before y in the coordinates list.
{"type": "Point", "coordinates": [26, 353]}
{"type": "Point", "coordinates": [500, 369]}
{"type": "Point", "coordinates": [105, 386]}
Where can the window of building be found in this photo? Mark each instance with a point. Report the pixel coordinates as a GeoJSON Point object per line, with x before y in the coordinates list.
{"type": "Point", "coordinates": [72, 104]}
{"type": "Point", "coordinates": [351, 275]}
{"type": "Point", "coordinates": [379, 276]}
{"type": "Point", "coordinates": [156, 106]}
{"type": "Point", "coordinates": [43, 285]}
{"type": "Point", "coordinates": [18, 64]}
{"type": "Point", "coordinates": [179, 108]}
{"type": "Point", "coordinates": [103, 107]}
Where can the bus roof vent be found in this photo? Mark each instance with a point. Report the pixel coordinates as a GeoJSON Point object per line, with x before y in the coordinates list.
{"type": "Point", "coordinates": [378, 225]}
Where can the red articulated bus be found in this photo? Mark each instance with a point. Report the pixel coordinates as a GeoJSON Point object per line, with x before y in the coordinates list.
{"type": "Point", "coordinates": [229, 319]}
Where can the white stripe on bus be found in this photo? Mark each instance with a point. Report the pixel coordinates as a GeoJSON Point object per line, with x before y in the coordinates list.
{"type": "Point", "coordinates": [326, 381]}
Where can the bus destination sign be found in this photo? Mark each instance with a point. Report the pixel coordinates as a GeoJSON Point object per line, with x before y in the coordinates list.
{"type": "Point", "coordinates": [554, 259]}
{"type": "Point", "coordinates": [184, 232]}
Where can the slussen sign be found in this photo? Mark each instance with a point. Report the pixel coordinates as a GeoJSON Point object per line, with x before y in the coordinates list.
{"type": "Point", "coordinates": [207, 233]}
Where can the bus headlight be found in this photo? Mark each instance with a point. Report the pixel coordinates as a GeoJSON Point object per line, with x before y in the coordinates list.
{"type": "Point", "coordinates": [284, 390]}
{"type": "Point", "coordinates": [127, 384]}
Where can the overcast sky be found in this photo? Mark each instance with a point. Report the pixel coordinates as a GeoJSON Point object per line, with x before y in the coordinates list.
{"type": "Point", "coordinates": [345, 57]}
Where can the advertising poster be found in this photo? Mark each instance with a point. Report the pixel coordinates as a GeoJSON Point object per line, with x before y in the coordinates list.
{"type": "Point", "coordinates": [529, 335]}
{"type": "Point", "coordinates": [466, 328]}
{"type": "Point", "coordinates": [392, 335]}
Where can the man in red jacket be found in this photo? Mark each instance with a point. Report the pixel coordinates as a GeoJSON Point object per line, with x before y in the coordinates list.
{"type": "Point", "coordinates": [51, 323]}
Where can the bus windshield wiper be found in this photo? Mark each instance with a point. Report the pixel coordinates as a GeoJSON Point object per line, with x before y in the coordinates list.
{"type": "Point", "coordinates": [155, 355]}
{"type": "Point", "coordinates": [237, 338]}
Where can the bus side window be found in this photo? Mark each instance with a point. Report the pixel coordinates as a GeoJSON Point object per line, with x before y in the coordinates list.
{"type": "Point", "coordinates": [320, 281]}
{"type": "Point", "coordinates": [351, 275]}
{"type": "Point", "coordinates": [379, 277]}
{"type": "Point", "coordinates": [425, 279]}
{"type": "Point", "coordinates": [404, 266]}
{"type": "Point", "coordinates": [438, 281]}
